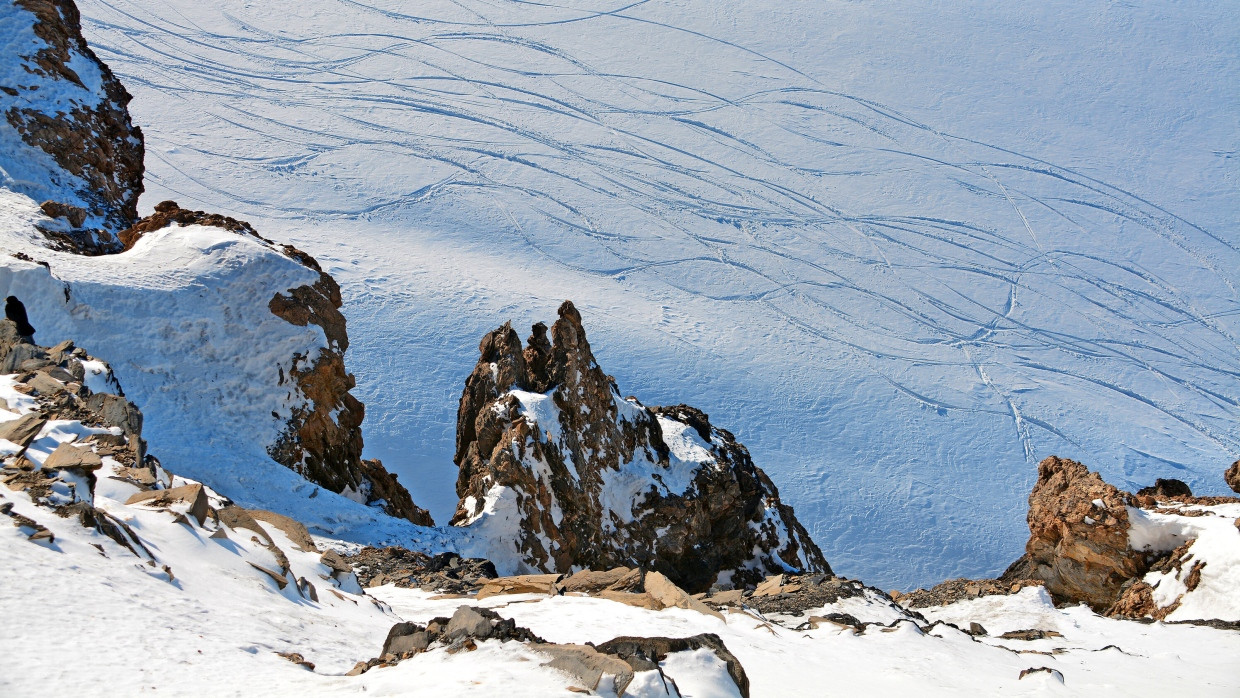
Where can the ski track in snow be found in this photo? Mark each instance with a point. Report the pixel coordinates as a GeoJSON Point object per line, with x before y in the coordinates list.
{"type": "Point", "coordinates": [896, 319]}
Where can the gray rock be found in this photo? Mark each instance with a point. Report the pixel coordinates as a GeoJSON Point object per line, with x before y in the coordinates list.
{"type": "Point", "coordinates": [44, 384]}
{"type": "Point", "coordinates": [468, 622]}
{"type": "Point", "coordinates": [116, 411]}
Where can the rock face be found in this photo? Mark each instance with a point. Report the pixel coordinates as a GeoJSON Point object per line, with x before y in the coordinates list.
{"type": "Point", "coordinates": [66, 135]}
{"type": "Point", "coordinates": [559, 471]}
{"type": "Point", "coordinates": [1232, 476]}
{"type": "Point", "coordinates": [1078, 536]}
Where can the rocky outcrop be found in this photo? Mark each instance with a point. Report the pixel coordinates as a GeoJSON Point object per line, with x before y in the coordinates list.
{"type": "Point", "coordinates": [1078, 536]}
{"type": "Point", "coordinates": [322, 439]}
{"type": "Point", "coordinates": [67, 136]}
{"type": "Point", "coordinates": [1122, 554]}
{"type": "Point", "coordinates": [560, 471]}
{"type": "Point", "coordinates": [1232, 477]}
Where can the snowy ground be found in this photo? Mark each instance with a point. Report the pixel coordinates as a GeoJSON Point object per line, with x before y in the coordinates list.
{"type": "Point", "coordinates": [903, 250]}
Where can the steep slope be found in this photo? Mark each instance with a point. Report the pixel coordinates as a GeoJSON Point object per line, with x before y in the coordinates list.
{"type": "Point", "coordinates": [559, 472]}
{"type": "Point", "coordinates": [905, 250]}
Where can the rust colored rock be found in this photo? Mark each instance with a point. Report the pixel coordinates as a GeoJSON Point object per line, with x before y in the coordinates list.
{"type": "Point", "coordinates": [90, 137]}
{"type": "Point", "coordinates": [1078, 535]}
{"type": "Point", "coordinates": [1232, 476]}
{"type": "Point", "coordinates": [580, 500]}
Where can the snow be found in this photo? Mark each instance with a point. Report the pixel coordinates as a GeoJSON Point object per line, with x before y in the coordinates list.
{"type": "Point", "coordinates": [1215, 546]}
{"type": "Point", "coordinates": [903, 251]}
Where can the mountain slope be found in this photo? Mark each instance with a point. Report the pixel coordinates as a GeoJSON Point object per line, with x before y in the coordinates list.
{"type": "Point", "coordinates": [906, 251]}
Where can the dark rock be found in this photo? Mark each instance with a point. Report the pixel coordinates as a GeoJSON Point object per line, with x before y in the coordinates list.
{"type": "Point", "coordinates": [976, 629]}
{"type": "Point", "coordinates": [1232, 477]}
{"type": "Point", "coordinates": [1166, 488]}
{"type": "Point", "coordinates": [411, 569]}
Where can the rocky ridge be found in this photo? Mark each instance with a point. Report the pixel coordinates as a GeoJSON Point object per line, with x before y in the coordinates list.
{"type": "Point", "coordinates": [561, 472]}
{"type": "Point", "coordinates": [76, 147]}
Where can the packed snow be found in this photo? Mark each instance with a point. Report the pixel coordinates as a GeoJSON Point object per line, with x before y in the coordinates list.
{"type": "Point", "coordinates": [903, 251]}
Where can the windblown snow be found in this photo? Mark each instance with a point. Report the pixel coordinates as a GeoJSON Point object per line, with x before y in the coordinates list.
{"type": "Point", "coordinates": [903, 251]}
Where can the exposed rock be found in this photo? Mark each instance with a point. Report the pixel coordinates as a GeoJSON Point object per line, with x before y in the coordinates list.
{"type": "Point", "coordinates": [295, 530]}
{"type": "Point", "coordinates": [637, 600]}
{"type": "Point", "coordinates": [1029, 635]}
{"type": "Point", "coordinates": [591, 481]}
{"type": "Point", "coordinates": [467, 626]}
{"type": "Point", "coordinates": [70, 457]}
{"type": "Point", "coordinates": [645, 653]}
{"type": "Point", "coordinates": [588, 666]}
{"type": "Point", "coordinates": [1054, 674]}
{"type": "Point", "coordinates": [1232, 476]}
{"type": "Point", "coordinates": [322, 439]}
{"type": "Point", "coordinates": [1166, 488]}
{"type": "Point", "coordinates": [296, 658]}
{"type": "Point", "coordinates": [192, 499]}
{"type": "Point", "coordinates": [522, 584]}
{"type": "Point", "coordinates": [1078, 536]}
{"type": "Point", "coordinates": [593, 582]}
{"type": "Point", "coordinates": [80, 121]}
{"type": "Point", "coordinates": [796, 595]}
{"type": "Point", "coordinates": [446, 572]}
{"type": "Point", "coordinates": [661, 589]}
{"type": "Point", "coordinates": [954, 590]}
{"type": "Point", "coordinates": [24, 429]}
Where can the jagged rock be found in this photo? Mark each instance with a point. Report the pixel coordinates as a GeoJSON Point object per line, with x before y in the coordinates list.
{"type": "Point", "coordinates": [1232, 477]}
{"type": "Point", "coordinates": [1166, 488]}
{"type": "Point", "coordinates": [116, 411]}
{"type": "Point", "coordinates": [24, 429]}
{"type": "Point", "coordinates": [1078, 536]}
{"type": "Point", "coordinates": [280, 580]}
{"type": "Point", "coordinates": [637, 600]}
{"type": "Point", "coordinates": [643, 652]}
{"type": "Point", "coordinates": [1054, 674]}
{"type": "Point", "coordinates": [193, 496]}
{"type": "Point", "coordinates": [544, 433]}
{"type": "Point", "coordinates": [237, 518]}
{"type": "Point", "coordinates": [68, 104]}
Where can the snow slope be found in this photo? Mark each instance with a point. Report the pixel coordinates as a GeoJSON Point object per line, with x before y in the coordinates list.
{"type": "Point", "coordinates": [904, 251]}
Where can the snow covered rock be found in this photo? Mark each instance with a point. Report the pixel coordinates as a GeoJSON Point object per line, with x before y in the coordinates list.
{"type": "Point", "coordinates": [66, 137]}
{"type": "Point", "coordinates": [558, 471]}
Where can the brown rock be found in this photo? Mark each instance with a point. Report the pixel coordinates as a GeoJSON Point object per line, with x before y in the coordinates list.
{"type": "Point", "coordinates": [1232, 476]}
{"type": "Point", "coordinates": [280, 580]}
{"type": "Point", "coordinates": [587, 665]}
{"type": "Point", "coordinates": [70, 457]}
{"type": "Point", "coordinates": [661, 589]}
{"type": "Point", "coordinates": [92, 139]}
{"type": "Point", "coordinates": [295, 530]}
{"type": "Point", "coordinates": [642, 600]}
{"type": "Point", "coordinates": [24, 429]}
{"type": "Point", "coordinates": [192, 495]}
{"type": "Point", "coordinates": [522, 584]}
{"type": "Point", "coordinates": [1079, 548]}
{"type": "Point", "coordinates": [730, 509]}
{"type": "Point", "coordinates": [237, 518]}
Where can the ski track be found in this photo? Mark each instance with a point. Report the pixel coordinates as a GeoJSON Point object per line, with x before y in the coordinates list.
{"type": "Point", "coordinates": [978, 283]}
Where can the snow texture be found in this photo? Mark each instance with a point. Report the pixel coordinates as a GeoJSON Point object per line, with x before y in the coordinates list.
{"type": "Point", "coordinates": [903, 250]}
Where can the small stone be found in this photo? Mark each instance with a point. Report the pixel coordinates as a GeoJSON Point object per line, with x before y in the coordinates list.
{"type": "Point", "coordinates": [976, 629]}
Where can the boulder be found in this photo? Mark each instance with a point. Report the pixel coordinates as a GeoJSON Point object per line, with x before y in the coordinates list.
{"type": "Point", "coordinates": [70, 457]}
{"type": "Point", "coordinates": [642, 600]}
{"type": "Point", "coordinates": [587, 665]}
{"type": "Point", "coordinates": [237, 518]}
{"type": "Point", "coordinates": [1232, 477]}
{"type": "Point", "coordinates": [593, 581]}
{"type": "Point", "coordinates": [116, 411]}
{"type": "Point", "coordinates": [661, 589]}
{"type": "Point", "coordinates": [1166, 488]}
{"type": "Point", "coordinates": [295, 530]}
{"type": "Point", "coordinates": [192, 498]}
{"type": "Point", "coordinates": [23, 430]}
